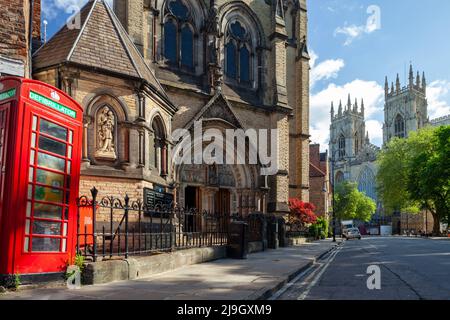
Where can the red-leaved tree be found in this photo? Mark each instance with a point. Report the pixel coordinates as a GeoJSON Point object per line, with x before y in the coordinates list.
{"type": "Point", "coordinates": [302, 212]}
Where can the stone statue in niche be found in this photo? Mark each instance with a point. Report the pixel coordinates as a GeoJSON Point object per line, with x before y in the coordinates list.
{"type": "Point", "coordinates": [105, 134]}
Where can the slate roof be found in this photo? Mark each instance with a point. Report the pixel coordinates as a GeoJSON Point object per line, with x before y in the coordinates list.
{"type": "Point", "coordinates": [101, 43]}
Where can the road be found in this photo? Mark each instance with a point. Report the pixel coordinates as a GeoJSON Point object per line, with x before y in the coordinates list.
{"type": "Point", "coordinates": [409, 269]}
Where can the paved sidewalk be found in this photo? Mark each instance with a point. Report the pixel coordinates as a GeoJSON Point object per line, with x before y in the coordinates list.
{"type": "Point", "coordinates": [254, 278]}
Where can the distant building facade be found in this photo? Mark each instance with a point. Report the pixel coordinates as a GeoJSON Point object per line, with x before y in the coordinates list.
{"type": "Point", "coordinates": [405, 111]}
{"type": "Point", "coordinates": [319, 181]}
{"type": "Point", "coordinates": [406, 108]}
{"type": "Point", "coordinates": [352, 155]}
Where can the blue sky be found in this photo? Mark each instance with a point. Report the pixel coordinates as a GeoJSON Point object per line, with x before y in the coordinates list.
{"type": "Point", "coordinates": [353, 50]}
{"type": "Point", "coordinates": [352, 53]}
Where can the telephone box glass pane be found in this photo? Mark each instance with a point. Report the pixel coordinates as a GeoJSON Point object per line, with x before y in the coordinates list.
{"type": "Point", "coordinates": [51, 162]}
{"type": "Point", "coordinates": [48, 194]}
{"type": "Point", "coordinates": [26, 244]}
{"type": "Point", "coordinates": [49, 211]}
{"type": "Point", "coordinates": [47, 227]}
{"type": "Point", "coordinates": [50, 178]}
{"type": "Point", "coordinates": [45, 244]}
{"type": "Point", "coordinates": [53, 130]}
{"type": "Point", "coordinates": [52, 146]}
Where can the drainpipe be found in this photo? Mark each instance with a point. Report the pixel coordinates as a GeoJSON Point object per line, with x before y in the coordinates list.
{"type": "Point", "coordinates": [30, 40]}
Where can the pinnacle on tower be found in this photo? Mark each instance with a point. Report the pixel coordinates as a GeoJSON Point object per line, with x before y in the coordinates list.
{"type": "Point", "coordinates": [411, 76]}
{"type": "Point", "coordinates": [340, 108]}
{"type": "Point", "coordinates": [355, 106]}
{"type": "Point", "coordinates": [332, 111]}
{"type": "Point", "coordinates": [418, 80]}
{"type": "Point", "coordinates": [392, 88]}
{"type": "Point", "coordinates": [367, 137]}
{"type": "Point", "coordinates": [362, 107]}
{"type": "Point", "coordinates": [386, 87]}
{"type": "Point", "coordinates": [424, 83]}
{"type": "Point", "coordinates": [349, 102]}
{"type": "Point", "coordinates": [397, 84]}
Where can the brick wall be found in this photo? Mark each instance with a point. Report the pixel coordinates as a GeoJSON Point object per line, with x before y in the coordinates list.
{"type": "Point", "coordinates": [14, 16]}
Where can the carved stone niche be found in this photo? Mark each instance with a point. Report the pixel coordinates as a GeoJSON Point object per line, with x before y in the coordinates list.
{"type": "Point", "coordinates": [105, 129]}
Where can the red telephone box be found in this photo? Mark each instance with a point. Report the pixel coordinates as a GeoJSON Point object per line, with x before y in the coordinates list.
{"type": "Point", "coordinates": [40, 154]}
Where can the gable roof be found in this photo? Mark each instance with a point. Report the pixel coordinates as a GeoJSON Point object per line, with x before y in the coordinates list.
{"type": "Point", "coordinates": [315, 171]}
{"type": "Point", "coordinates": [101, 43]}
{"type": "Point", "coordinates": [217, 108]}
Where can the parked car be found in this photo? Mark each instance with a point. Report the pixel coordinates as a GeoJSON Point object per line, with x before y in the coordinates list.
{"type": "Point", "coordinates": [351, 233]}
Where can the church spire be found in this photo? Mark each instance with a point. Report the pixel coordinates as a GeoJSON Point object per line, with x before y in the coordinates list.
{"type": "Point", "coordinates": [397, 84]}
{"type": "Point", "coordinates": [349, 102]}
{"type": "Point", "coordinates": [340, 108]}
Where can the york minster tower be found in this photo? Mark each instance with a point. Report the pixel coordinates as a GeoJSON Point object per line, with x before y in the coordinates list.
{"type": "Point", "coordinates": [405, 107]}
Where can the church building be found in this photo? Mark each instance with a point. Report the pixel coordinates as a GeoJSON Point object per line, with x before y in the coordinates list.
{"type": "Point", "coordinates": [352, 155]}
{"type": "Point", "coordinates": [145, 68]}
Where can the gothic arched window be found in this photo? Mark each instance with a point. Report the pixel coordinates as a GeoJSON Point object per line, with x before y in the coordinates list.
{"type": "Point", "coordinates": [341, 146]}
{"type": "Point", "coordinates": [356, 143]}
{"type": "Point", "coordinates": [399, 127]}
{"type": "Point", "coordinates": [238, 53]}
{"type": "Point", "coordinates": [179, 35]}
{"type": "Point", "coordinates": [160, 150]}
{"type": "Point", "coordinates": [366, 183]}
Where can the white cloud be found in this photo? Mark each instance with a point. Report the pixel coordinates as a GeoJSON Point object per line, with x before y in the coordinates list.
{"type": "Point", "coordinates": [438, 94]}
{"type": "Point", "coordinates": [375, 129]}
{"type": "Point", "coordinates": [370, 91]}
{"type": "Point", "coordinates": [52, 8]}
{"type": "Point", "coordinates": [328, 69]}
{"type": "Point", "coordinates": [352, 32]}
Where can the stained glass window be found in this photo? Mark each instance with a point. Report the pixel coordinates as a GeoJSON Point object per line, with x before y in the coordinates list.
{"type": "Point", "coordinates": [231, 60]}
{"type": "Point", "coordinates": [238, 53]}
{"type": "Point", "coordinates": [179, 35]}
{"type": "Point", "coordinates": [170, 41]}
{"type": "Point", "coordinates": [244, 63]}
{"type": "Point", "coordinates": [187, 47]}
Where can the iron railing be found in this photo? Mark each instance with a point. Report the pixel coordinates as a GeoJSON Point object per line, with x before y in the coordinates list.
{"type": "Point", "coordinates": [114, 227]}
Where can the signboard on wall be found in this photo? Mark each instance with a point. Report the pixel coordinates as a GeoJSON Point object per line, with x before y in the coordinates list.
{"type": "Point", "coordinates": [153, 198]}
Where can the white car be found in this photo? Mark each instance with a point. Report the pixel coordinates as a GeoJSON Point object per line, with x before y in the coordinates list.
{"type": "Point", "coordinates": [351, 233]}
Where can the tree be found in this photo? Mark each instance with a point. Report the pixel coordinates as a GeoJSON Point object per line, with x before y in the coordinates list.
{"type": "Point", "coordinates": [349, 203]}
{"type": "Point", "coordinates": [429, 173]}
{"type": "Point", "coordinates": [302, 212]}
{"type": "Point", "coordinates": [392, 177]}
{"type": "Point", "coordinates": [414, 174]}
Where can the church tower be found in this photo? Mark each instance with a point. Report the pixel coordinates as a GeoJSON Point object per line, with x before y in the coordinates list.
{"type": "Point", "coordinates": [405, 108]}
{"type": "Point", "coordinates": [348, 131]}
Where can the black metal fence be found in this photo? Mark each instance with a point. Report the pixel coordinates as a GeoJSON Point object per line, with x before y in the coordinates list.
{"type": "Point", "coordinates": [114, 227]}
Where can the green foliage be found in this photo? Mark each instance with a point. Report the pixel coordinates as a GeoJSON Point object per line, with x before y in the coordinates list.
{"type": "Point", "coordinates": [319, 230]}
{"type": "Point", "coordinates": [414, 173]}
{"type": "Point", "coordinates": [79, 262]}
{"type": "Point", "coordinates": [353, 204]}
{"type": "Point", "coordinates": [429, 171]}
{"type": "Point", "coordinates": [17, 281]}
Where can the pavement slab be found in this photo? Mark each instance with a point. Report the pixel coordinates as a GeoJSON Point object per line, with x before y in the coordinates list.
{"type": "Point", "coordinates": [226, 279]}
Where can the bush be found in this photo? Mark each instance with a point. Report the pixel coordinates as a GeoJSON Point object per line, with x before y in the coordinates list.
{"type": "Point", "coordinates": [319, 230]}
